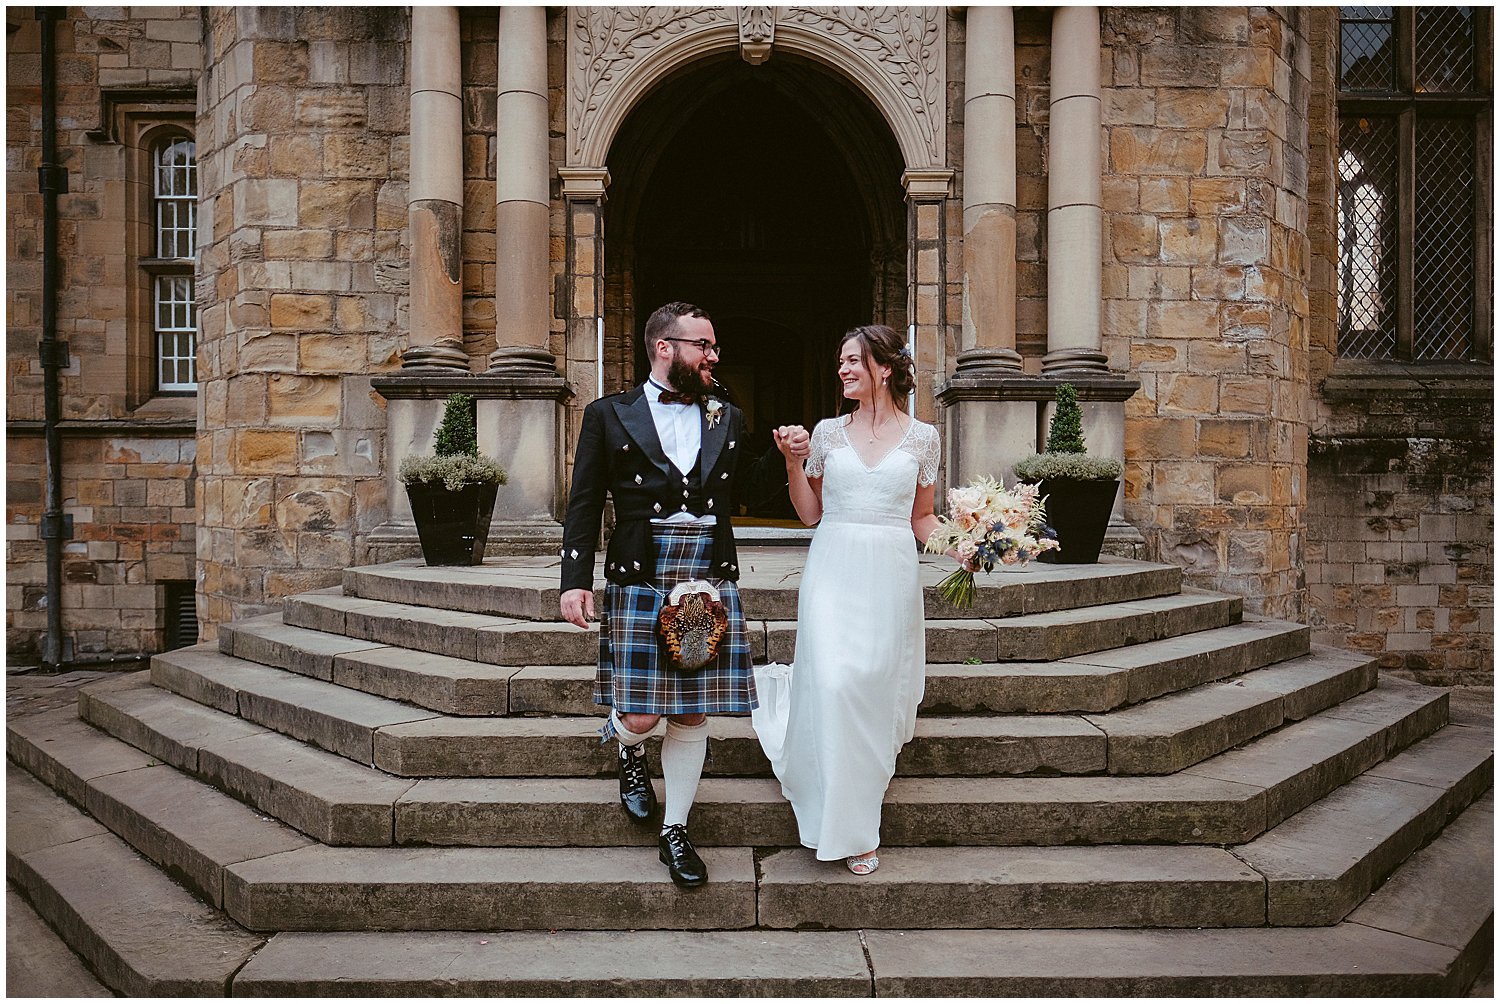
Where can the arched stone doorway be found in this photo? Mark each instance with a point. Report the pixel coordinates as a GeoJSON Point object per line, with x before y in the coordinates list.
{"type": "Point", "coordinates": [770, 196]}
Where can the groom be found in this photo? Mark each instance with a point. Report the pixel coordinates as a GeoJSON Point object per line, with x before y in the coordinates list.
{"type": "Point", "coordinates": [668, 452]}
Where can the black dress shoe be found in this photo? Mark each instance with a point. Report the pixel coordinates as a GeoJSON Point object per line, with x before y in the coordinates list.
{"type": "Point", "coordinates": [636, 793]}
{"type": "Point", "coordinates": [683, 863]}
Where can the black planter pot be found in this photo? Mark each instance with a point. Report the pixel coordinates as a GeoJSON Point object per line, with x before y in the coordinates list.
{"type": "Point", "coordinates": [453, 526]}
{"type": "Point", "coordinates": [1078, 511]}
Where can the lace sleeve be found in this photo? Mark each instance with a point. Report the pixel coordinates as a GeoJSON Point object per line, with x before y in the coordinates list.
{"type": "Point", "coordinates": [822, 437]}
{"type": "Point", "coordinates": [928, 454]}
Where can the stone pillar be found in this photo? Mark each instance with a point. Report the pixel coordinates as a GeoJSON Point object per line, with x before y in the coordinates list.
{"type": "Point", "coordinates": [1074, 212]}
{"type": "Point", "coordinates": [927, 192]}
{"type": "Point", "coordinates": [990, 422]}
{"type": "Point", "coordinates": [521, 197]}
{"type": "Point", "coordinates": [989, 319]}
{"type": "Point", "coordinates": [435, 195]}
{"type": "Point", "coordinates": [520, 411]}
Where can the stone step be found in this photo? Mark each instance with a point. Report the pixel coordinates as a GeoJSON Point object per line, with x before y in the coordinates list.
{"type": "Point", "coordinates": [507, 641]}
{"type": "Point", "coordinates": [1300, 763]}
{"type": "Point", "coordinates": [189, 829]}
{"type": "Point", "coordinates": [1177, 731]}
{"type": "Point", "coordinates": [527, 588]}
{"type": "Point", "coordinates": [342, 803]}
{"type": "Point", "coordinates": [1014, 887]}
{"type": "Point", "coordinates": [37, 962]}
{"type": "Point", "coordinates": [1342, 961]}
{"type": "Point", "coordinates": [463, 687]}
{"type": "Point", "coordinates": [401, 741]}
{"type": "Point", "coordinates": [141, 933]}
{"type": "Point", "coordinates": [611, 964]}
{"type": "Point", "coordinates": [477, 889]}
{"type": "Point", "coordinates": [1444, 894]}
{"type": "Point", "coordinates": [1106, 680]}
{"type": "Point", "coordinates": [1322, 862]}
{"type": "Point", "coordinates": [1197, 724]}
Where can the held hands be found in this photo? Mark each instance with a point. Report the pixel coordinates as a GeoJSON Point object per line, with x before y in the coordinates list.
{"type": "Point", "coordinates": [793, 441]}
{"type": "Point", "coordinates": [577, 606]}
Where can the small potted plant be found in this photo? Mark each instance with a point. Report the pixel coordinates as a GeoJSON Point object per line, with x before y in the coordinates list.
{"type": "Point", "coordinates": [1079, 489]}
{"type": "Point", "coordinates": [452, 493]}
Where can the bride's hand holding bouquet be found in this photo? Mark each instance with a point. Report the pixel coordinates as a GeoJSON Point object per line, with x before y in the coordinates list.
{"type": "Point", "coordinates": [988, 525]}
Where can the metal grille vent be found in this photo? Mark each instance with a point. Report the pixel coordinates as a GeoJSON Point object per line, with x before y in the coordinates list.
{"type": "Point", "coordinates": [1443, 282]}
{"type": "Point", "coordinates": [1367, 49]}
{"type": "Point", "coordinates": [181, 615]}
{"type": "Point", "coordinates": [1367, 221]}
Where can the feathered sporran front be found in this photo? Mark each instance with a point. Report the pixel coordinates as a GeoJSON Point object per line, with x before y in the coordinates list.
{"type": "Point", "coordinates": [692, 623]}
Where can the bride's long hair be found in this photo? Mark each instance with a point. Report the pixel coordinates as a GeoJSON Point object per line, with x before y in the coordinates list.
{"type": "Point", "coordinates": [886, 348]}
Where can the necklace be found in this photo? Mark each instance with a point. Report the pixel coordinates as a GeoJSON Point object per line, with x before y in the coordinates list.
{"type": "Point", "coordinates": [875, 429]}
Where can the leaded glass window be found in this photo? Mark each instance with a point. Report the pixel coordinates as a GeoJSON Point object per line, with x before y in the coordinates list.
{"type": "Point", "coordinates": [1414, 110]}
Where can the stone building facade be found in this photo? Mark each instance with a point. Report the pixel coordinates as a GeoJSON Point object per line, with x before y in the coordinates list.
{"type": "Point", "coordinates": [1142, 201]}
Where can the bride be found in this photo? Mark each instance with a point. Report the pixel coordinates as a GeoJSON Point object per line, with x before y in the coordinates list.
{"type": "Point", "coordinates": [861, 653]}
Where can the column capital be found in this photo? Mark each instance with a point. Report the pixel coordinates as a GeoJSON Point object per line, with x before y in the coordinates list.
{"type": "Point", "coordinates": [928, 182]}
{"type": "Point", "coordinates": [584, 182]}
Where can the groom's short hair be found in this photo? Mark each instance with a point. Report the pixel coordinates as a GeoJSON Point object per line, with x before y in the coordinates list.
{"type": "Point", "coordinates": [663, 321]}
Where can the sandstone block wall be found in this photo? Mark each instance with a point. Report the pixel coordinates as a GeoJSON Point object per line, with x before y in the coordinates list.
{"type": "Point", "coordinates": [1400, 519]}
{"type": "Point", "coordinates": [128, 464]}
{"type": "Point", "coordinates": [303, 147]}
{"type": "Point", "coordinates": [1205, 295]}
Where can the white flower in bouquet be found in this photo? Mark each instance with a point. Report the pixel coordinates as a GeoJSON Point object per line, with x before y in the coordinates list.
{"type": "Point", "coordinates": [989, 525]}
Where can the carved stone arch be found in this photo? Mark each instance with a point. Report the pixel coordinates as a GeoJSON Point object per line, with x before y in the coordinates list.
{"type": "Point", "coordinates": [895, 55]}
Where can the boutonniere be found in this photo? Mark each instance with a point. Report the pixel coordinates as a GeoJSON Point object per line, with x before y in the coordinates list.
{"type": "Point", "coordinates": [713, 409]}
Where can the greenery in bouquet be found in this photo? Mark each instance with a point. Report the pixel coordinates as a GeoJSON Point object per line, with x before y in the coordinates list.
{"type": "Point", "coordinates": [1066, 455]}
{"type": "Point", "coordinates": [457, 462]}
{"type": "Point", "coordinates": [988, 525]}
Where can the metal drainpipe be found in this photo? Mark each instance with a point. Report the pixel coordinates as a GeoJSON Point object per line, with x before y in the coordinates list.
{"type": "Point", "coordinates": [52, 180]}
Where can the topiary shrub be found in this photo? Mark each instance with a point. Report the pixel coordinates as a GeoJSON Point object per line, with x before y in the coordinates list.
{"type": "Point", "coordinates": [457, 434]}
{"type": "Point", "coordinates": [457, 462]}
{"type": "Point", "coordinates": [1065, 434]}
{"type": "Point", "coordinates": [1066, 455]}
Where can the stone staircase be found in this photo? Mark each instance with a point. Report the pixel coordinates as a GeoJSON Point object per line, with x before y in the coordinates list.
{"type": "Point", "coordinates": [1117, 786]}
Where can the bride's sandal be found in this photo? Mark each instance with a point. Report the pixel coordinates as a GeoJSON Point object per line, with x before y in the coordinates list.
{"type": "Point", "coordinates": [863, 864]}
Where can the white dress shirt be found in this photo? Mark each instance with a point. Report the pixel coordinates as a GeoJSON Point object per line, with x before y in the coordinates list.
{"type": "Point", "coordinates": [680, 429]}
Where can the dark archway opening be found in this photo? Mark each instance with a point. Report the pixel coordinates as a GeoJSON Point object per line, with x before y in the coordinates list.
{"type": "Point", "coordinates": [771, 197]}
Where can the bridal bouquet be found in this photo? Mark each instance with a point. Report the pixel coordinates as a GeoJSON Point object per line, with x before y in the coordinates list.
{"type": "Point", "coordinates": [989, 525]}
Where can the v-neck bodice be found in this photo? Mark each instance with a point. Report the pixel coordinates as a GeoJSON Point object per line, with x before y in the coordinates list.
{"type": "Point", "coordinates": [886, 489]}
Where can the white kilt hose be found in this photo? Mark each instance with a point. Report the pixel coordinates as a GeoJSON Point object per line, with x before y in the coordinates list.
{"type": "Point", "coordinates": [635, 674]}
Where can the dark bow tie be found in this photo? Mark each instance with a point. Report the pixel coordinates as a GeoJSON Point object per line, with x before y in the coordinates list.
{"type": "Point", "coordinates": [673, 397]}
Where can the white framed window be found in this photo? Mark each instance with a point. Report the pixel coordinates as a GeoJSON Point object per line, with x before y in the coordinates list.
{"type": "Point", "coordinates": [174, 316]}
{"type": "Point", "coordinates": [176, 322]}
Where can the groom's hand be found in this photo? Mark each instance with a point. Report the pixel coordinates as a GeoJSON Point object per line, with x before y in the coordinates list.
{"type": "Point", "coordinates": [577, 606]}
{"type": "Point", "coordinates": [793, 441]}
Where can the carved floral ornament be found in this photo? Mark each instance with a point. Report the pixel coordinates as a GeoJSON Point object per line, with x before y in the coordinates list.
{"type": "Point", "coordinates": [894, 54]}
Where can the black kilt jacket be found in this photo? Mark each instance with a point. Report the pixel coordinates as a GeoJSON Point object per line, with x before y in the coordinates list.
{"type": "Point", "coordinates": [620, 455]}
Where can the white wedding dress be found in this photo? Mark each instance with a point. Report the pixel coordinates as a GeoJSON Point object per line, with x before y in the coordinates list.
{"type": "Point", "coordinates": [832, 723]}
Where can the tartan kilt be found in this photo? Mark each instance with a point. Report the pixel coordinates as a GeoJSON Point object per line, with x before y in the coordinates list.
{"type": "Point", "coordinates": [634, 673]}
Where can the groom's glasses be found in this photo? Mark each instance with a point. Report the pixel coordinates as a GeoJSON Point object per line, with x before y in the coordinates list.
{"type": "Point", "coordinates": [704, 345]}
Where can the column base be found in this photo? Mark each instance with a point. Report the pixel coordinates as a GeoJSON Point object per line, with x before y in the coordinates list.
{"type": "Point", "coordinates": [1066, 361]}
{"type": "Point", "coordinates": [441, 356]}
{"type": "Point", "coordinates": [985, 360]}
{"type": "Point", "coordinates": [522, 359]}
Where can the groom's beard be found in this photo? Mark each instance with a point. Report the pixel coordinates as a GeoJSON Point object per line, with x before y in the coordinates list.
{"type": "Point", "coordinates": [689, 379]}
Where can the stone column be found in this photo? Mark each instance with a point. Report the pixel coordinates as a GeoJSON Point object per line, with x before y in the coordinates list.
{"type": "Point", "coordinates": [990, 410]}
{"type": "Point", "coordinates": [521, 197]}
{"type": "Point", "coordinates": [927, 192]}
{"type": "Point", "coordinates": [435, 195]}
{"type": "Point", "coordinates": [989, 320]}
{"type": "Point", "coordinates": [1074, 213]}
{"type": "Point", "coordinates": [520, 412]}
